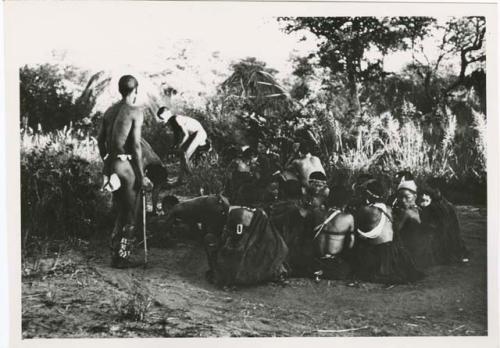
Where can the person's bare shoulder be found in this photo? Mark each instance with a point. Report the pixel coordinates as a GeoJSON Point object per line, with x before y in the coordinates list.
{"type": "Point", "coordinates": [133, 111]}
{"type": "Point", "coordinates": [112, 110]}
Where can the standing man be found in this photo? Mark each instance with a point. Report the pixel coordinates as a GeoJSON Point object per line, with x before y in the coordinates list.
{"type": "Point", "coordinates": [120, 148]}
{"type": "Point", "coordinates": [189, 136]}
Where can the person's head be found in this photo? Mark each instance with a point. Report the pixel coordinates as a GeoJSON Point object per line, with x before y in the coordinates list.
{"type": "Point", "coordinates": [164, 114]}
{"type": "Point", "coordinates": [272, 190]}
{"type": "Point", "coordinates": [317, 194]}
{"type": "Point", "coordinates": [374, 191]}
{"type": "Point", "coordinates": [127, 86]}
{"type": "Point", "coordinates": [249, 155]}
{"type": "Point", "coordinates": [261, 148]}
{"type": "Point", "coordinates": [304, 149]}
{"type": "Point", "coordinates": [407, 194]}
{"type": "Point", "coordinates": [426, 195]}
{"type": "Point", "coordinates": [168, 203]}
{"type": "Point", "coordinates": [339, 196]}
{"type": "Point", "coordinates": [406, 198]}
{"type": "Point", "coordinates": [360, 182]}
{"type": "Point", "coordinates": [291, 189]}
{"type": "Point", "coordinates": [230, 153]}
{"type": "Point", "coordinates": [157, 173]}
{"type": "Point", "coordinates": [403, 175]}
{"type": "Point", "coordinates": [424, 200]}
{"type": "Point", "coordinates": [248, 195]}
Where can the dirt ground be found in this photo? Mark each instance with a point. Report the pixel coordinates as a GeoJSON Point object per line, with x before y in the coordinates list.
{"type": "Point", "coordinates": [79, 295]}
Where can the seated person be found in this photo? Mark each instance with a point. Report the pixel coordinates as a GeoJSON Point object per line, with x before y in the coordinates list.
{"type": "Point", "coordinates": [399, 177]}
{"type": "Point", "coordinates": [317, 193]}
{"type": "Point", "coordinates": [241, 172]}
{"type": "Point", "coordinates": [190, 137]}
{"type": "Point", "coordinates": [289, 190]}
{"type": "Point", "coordinates": [341, 193]}
{"type": "Point", "coordinates": [378, 254]}
{"type": "Point", "coordinates": [268, 164]}
{"type": "Point", "coordinates": [333, 237]}
{"type": "Point", "coordinates": [414, 236]}
{"type": "Point", "coordinates": [440, 217]}
{"type": "Point", "coordinates": [249, 251]}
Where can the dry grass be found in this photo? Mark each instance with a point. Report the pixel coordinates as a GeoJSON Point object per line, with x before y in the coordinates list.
{"type": "Point", "coordinates": [385, 142]}
{"type": "Point", "coordinates": [135, 306]}
{"type": "Point", "coordinates": [82, 145]}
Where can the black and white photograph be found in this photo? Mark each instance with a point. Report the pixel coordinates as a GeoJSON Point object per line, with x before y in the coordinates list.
{"type": "Point", "coordinates": [195, 170]}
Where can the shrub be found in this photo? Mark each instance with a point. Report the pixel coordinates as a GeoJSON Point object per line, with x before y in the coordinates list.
{"type": "Point", "coordinates": [135, 306]}
{"type": "Point", "coordinates": [60, 196]}
{"type": "Point", "coordinates": [45, 98]}
{"type": "Point", "coordinates": [208, 176]}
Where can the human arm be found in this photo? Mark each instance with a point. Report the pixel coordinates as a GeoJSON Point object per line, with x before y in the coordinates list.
{"type": "Point", "coordinates": [183, 136]}
{"type": "Point", "coordinates": [406, 216]}
{"type": "Point", "coordinates": [101, 139]}
{"type": "Point", "coordinates": [137, 147]}
{"type": "Point", "coordinates": [180, 135]}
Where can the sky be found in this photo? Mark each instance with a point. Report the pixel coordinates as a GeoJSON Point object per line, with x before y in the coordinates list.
{"type": "Point", "coordinates": [105, 46]}
{"type": "Point", "coordinates": [141, 40]}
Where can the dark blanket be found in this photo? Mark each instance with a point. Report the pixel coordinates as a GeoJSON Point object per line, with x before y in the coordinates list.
{"type": "Point", "coordinates": [384, 263]}
{"type": "Point", "coordinates": [296, 231]}
{"type": "Point", "coordinates": [441, 218]}
{"type": "Point", "coordinates": [256, 255]}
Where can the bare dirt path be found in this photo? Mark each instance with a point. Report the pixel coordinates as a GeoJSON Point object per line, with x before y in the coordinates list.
{"type": "Point", "coordinates": [83, 297]}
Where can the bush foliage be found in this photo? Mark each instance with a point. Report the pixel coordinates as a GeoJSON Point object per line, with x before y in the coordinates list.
{"type": "Point", "coordinates": [60, 194]}
{"type": "Point", "coordinates": [425, 118]}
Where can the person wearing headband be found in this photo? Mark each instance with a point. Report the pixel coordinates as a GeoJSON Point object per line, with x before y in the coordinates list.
{"type": "Point", "coordinates": [408, 224]}
{"type": "Point", "coordinates": [378, 254]}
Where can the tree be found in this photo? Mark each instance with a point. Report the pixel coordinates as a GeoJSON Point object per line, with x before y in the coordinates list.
{"type": "Point", "coordinates": [462, 39]}
{"type": "Point", "coordinates": [466, 37]}
{"type": "Point", "coordinates": [45, 100]}
{"type": "Point", "coordinates": [346, 40]}
{"type": "Point", "coordinates": [262, 106]}
{"type": "Point", "coordinates": [253, 80]}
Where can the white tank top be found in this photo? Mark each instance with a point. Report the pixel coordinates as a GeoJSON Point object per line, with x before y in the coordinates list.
{"type": "Point", "coordinates": [383, 232]}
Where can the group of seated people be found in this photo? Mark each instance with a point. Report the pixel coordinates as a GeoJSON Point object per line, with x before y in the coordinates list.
{"type": "Point", "coordinates": [271, 223]}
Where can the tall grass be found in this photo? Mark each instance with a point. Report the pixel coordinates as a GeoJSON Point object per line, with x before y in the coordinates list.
{"type": "Point", "coordinates": [392, 145]}
{"type": "Point", "coordinates": [60, 180]}
{"type": "Point", "coordinates": [79, 143]}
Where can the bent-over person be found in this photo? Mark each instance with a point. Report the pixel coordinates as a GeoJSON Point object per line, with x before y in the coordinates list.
{"type": "Point", "coordinates": [189, 137]}
{"type": "Point", "coordinates": [119, 144]}
{"type": "Point", "coordinates": [312, 176]}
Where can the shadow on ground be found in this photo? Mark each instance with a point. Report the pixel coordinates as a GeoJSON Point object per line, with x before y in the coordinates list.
{"type": "Point", "coordinates": [83, 297]}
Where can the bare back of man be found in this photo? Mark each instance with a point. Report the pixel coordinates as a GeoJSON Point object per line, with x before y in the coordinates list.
{"type": "Point", "coordinates": [120, 147]}
{"type": "Point", "coordinates": [119, 127]}
{"type": "Point", "coordinates": [305, 166]}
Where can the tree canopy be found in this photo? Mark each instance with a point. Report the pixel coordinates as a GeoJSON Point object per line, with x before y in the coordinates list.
{"type": "Point", "coordinates": [346, 40]}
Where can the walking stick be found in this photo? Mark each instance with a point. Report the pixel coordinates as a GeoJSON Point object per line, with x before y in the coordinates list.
{"type": "Point", "coordinates": [144, 227]}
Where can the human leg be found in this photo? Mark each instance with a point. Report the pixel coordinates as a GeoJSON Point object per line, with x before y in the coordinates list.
{"type": "Point", "coordinates": [187, 151]}
{"type": "Point", "coordinates": [128, 204]}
